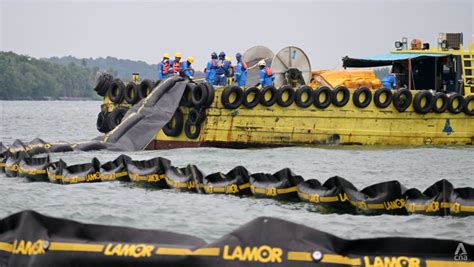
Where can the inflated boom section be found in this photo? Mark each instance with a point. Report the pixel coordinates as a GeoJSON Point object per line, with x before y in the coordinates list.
{"type": "Point", "coordinates": [31, 239]}
{"type": "Point", "coordinates": [335, 195]}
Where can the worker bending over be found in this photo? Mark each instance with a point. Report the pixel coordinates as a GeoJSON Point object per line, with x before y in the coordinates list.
{"type": "Point", "coordinates": [186, 69]}
{"type": "Point", "coordinates": [266, 75]}
{"type": "Point", "coordinates": [389, 81]}
{"type": "Point", "coordinates": [164, 67]}
{"type": "Point", "coordinates": [222, 70]}
{"type": "Point", "coordinates": [240, 70]}
{"type": "Point", "coordinates": [211, 68]}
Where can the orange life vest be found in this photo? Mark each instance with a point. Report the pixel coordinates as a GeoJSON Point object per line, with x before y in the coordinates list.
{"type": "Point", "coordinates": [268, 71]}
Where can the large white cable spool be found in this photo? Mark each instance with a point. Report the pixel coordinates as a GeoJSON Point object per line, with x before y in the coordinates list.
{"type": "Point", "coordinates": [290, 58]}
{"type": "Point", "coordinates": [252, 56]}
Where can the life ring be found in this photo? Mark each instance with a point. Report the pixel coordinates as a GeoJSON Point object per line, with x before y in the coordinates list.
{"type": "Point", "coordinates": [102, 122]}
{"type": "Point", "coordinates": [469, 105]}
{"type": "Point", "coordinates": [300, 100]}
{"type": "Point", "coordinates": [338, 91]}
{"type": "Point", "coordinates": [420, 106]}
{"type": "Point", "coordinates": [116, 91]}
{"type": "Point", "coordinates": [115, 117]}
{"type": "Point", "coordinates": [281, 94]}
{"type": "Point", "coordinates": [186, 99]}
{"type": "Point", "coordinates": [175, 125]}
{"type": "Point", "coordinates": [442, 99]}
{"type": "Point", "coordinates": [248, 101]}
{"type": "Point", "coordinates": [356, 97]}
{"type": "Point", "coordinates": [268, 90]}
{"type": "Point", "coordinates": [189, 131]}
{"type": "Point", "coordinates": [326, 92]}
{"type": "Point", "coordinates": [199, 95]}
{"type": "Point", "coordinates": [131, 94]}
{"type": "Point", "coordinates": [402, 99]}
{"type": "Point", "coordinates": [455, 103]}
{"type": "Point", "coordinates": [378, 95]}
{"type": "Point", "coordinates": [145, 88]}
{"type": "Point", "coordinates": [235, 91]}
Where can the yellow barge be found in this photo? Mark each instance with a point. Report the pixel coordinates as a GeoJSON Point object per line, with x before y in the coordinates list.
{"type": "Point", "coordinates": [342, 110]}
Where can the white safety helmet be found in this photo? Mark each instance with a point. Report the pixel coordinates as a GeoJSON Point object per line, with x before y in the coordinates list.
{"type": "Point", "coordinates": [262, 63]}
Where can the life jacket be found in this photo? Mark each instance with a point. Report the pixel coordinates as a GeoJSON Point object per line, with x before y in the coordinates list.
{"type": "Point", "coordinates": [176, 66]}
{"type": "Point", "coordinates": [166, 67]}
{"type": "Point", "coordinates": [268, 71]}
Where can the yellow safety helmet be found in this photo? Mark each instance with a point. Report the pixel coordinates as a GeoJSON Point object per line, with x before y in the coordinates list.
{"type": "Point", "coordinates": [190, 60]}
{"type": "Point", "coordinates": [178, 54]}
{"type": "Point", "coordinates": [166, 55]}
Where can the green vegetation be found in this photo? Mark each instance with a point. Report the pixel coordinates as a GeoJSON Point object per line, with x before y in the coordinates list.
{"type": "Point", "coordinates": [23, 77]}
{"type": "Point", "coordinates": [123, 68]}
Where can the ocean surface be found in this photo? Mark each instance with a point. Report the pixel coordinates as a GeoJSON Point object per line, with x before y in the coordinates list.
{"type": "Point", "coordinates": [211, 216]}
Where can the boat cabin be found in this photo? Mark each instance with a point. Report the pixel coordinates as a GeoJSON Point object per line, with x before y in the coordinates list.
{"type": "Point", "coordinates": [446, 68]}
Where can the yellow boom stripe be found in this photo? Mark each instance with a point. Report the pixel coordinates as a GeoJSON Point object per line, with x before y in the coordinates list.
{"type": "Point", "coordinates": [7, 247]}
{"type": "Point", "coordinates": [62, 246]}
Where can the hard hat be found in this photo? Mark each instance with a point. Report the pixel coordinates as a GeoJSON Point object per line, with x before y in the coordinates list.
{"type": "Point", "coordinates": [166, 55]}
{"type": "Point", "coordinates": [262, 63]}
{"type": "Point", "coordinates": [221, 54]}
{"type": "Point", "coordinates": [190, 60]}
{"type": "Point", "coordinates": [178, 54]}
{"type": "Point", "coordinates": [238, 55]}
{"type": "Point", "coordinates": [214, 55]}
{"type": "Point", "coordinates": [228, 58]}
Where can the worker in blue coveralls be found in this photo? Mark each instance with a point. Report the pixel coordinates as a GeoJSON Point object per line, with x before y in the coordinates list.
{"type": "Point", "coordinates": [390, 81]}
{"type": "Point", "coordinates": [164, 67]}
{"type": "Point", "coordinates": [210, 69]}
{"type": "Point", "coordinates": [185, 70]}
{"type": "Point", "coordinates": [240, 70]}
{"type": "Point", "coordinates": [222, 70]}
{"type": "Point", "coordinates": [266, 75]}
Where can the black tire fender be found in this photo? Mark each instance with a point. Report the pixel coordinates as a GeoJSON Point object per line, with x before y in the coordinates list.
{"type": "Point", "coordinates": [323, 90]}
{"type": "Point", "coordinates": [357, 94]}
{"type": "Point", "coordinates": [131, 94]}
{"type": "Point", "coordinates": [418, 105]}
{"type": "Point", "coordinates": [273, 96]}
{"type": "Point", "coordinates": [300, 92]}
{"type": "Point", "coordinates": [388, 97]}
{"type": "Point", "coordinates": [225, 97]}
{"type": "Point", "coordinates": [189, 132]}
{"type": "Point", "coordinates": [115, 117]}
{"type": "Point", "coordinates": [252, 102]}
{"type": "Point", "coordinates": [103, 83]}
{"type": "Point", "coordinates": [345, 96]}
{"type": "Point", "coordinates": [291, 96]}
{"type": "Point", "coordinates": [116, 91]}
{"type": "Point", "coordinates": [186, 99]}
{"type": "Point", "coordinates": [211, 94]}
{"type": "Point", "coordinates": [452, 107]}
{"type": "Point", "coordinates": [199, 95]}
{"type": "Point", "coordinates": [469, 105]}
{"type": "Point", "coordinates": [402, 99]}
{"type": "Point", "coordinates": [145, 88]}
{"type": "Point", "coordinates": [101, 124]}
{"type": "Point", "coordinates": [174, 129]}
{"type": "Point", "coordinates": [444, 102]}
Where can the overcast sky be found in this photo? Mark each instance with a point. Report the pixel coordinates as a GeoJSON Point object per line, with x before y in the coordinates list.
{"type": "Point", "coordinates": [144, 30]}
